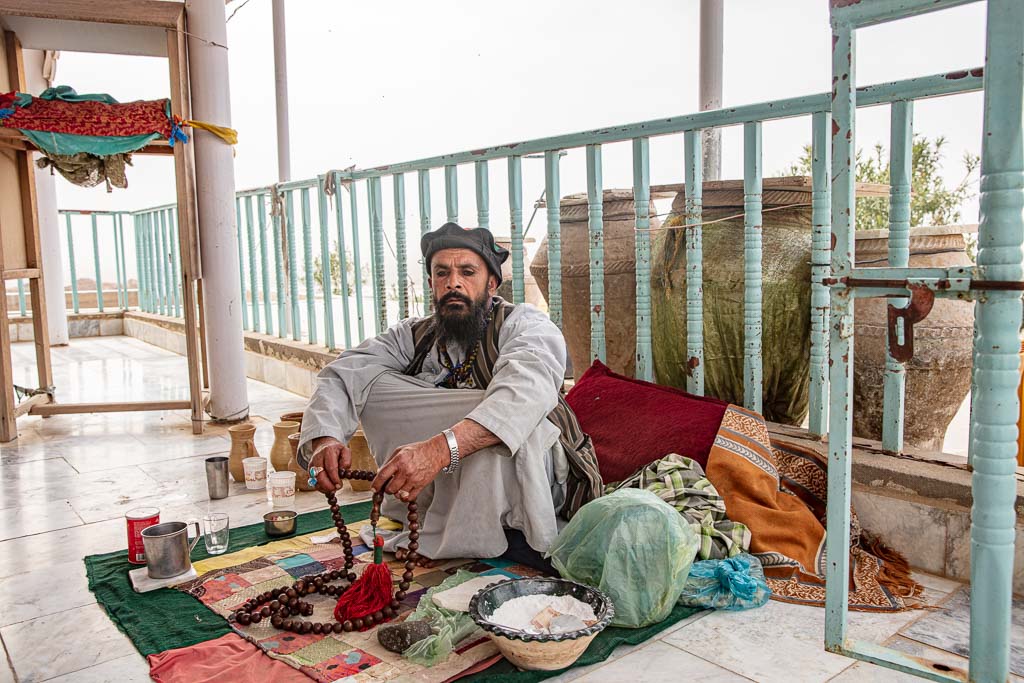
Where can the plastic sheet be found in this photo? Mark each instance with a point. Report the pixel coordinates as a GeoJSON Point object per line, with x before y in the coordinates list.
{"type": "Point", "coordinates": [450, 627]}
{"type": "Point", "coordinates": [633, 546]}
{"type": "Point", "coordinates": [733, 584]}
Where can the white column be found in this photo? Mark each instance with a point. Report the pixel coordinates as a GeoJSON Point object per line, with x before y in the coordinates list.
{"type": "Point", "coordinates": [711, 39]}
{"type": "Point", "coordinates": [284, 166]}
{"type": "Point", "coordinates": [53, 260]}
{"type": "Point", "coordinates": [215, 194]}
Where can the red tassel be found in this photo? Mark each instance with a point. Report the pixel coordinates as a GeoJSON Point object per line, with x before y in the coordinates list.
{"type": "Point", "coordinates": [370, 593]}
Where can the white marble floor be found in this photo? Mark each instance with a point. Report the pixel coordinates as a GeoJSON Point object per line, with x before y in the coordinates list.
{"type": "Point", "coordinates": [67, 481]}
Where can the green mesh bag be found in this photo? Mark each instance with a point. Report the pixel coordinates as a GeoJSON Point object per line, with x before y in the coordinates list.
{"type": "Point", "coordinates": [633, 546]}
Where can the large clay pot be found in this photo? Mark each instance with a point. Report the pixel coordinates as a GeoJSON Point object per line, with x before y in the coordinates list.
{"type": "Point", "coordinates": [293, 417]}
{"type": "Point", "coordinates": [786, 301]}
{"type": "Point", "coordinates": [281, 451]}
{"type": "Point", "coordinates": [242, 447]}
{"type": "Point", "coordinates": [362, 459]}
{"type": "Point", "coordinates": [619, 279]}
{"type": "Point", "coordinates": [939, 374]}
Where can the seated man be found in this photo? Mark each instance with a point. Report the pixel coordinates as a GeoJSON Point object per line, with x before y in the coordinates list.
{"type": "Point", "coordinates": [462, 411]}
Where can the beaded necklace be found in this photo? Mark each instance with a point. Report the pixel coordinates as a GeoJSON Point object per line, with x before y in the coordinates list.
{"type": "Point", "coordinates": [460, 373]}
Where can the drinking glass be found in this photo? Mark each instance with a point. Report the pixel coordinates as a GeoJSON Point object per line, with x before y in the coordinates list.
{"type": "Point", "coordinates": [215, 532]}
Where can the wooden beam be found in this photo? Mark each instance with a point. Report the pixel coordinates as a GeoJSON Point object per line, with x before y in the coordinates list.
{"type": "Point", "coordinates": [160, 13]}
{"type": "Point", "coordinates": [14, 139]}
{"type": "Point", "coordinates": [21, 273]}
{"type": "Point", "coordinates": [31, 402]}
{"type": "Point", "coordinates": [78, 408]}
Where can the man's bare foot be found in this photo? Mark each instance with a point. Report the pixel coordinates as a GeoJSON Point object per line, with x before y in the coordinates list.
{"type": "Point", "coordinates": [421, 561]}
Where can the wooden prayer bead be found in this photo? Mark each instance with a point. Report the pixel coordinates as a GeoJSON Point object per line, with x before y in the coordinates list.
{"type": "Point", "coordinates": [403, 586]}
{"type": "Point", "coordinates": [346, 625]}
{"type": "Point", "coordinates": [276, 621]}
{"type": "Point", "coordinates": [400, 595]}
{"type": "Point", "coordinates": [357, 624]}
{"type": "Point", "coordinates": [256, 618]}
{"type": "Point", "coordinates": [388, 612]}
{"type": "Point", "coordinates": [378, 616]}
{"type": "Point", "coordinates": [317, 628]}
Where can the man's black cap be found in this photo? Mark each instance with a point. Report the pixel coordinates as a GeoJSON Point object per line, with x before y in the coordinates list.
{"type": "Point", "coordinates": [454, 236]}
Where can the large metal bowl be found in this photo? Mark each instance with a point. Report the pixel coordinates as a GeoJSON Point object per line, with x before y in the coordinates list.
{"type": "Point", "coordinates": [544, 652]}
{"type": "Point", "coordinates": [279, 522]}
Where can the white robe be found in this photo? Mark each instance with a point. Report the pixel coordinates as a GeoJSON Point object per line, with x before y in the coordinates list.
{"type": "Point", "coordinates": [518, 483]}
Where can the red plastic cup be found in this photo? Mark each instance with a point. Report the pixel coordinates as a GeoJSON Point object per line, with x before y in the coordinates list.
{"type": "Point", "coordinates": [137, 520]}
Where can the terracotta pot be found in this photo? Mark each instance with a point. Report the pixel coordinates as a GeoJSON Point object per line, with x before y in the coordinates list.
{"type": "Point", "coordinates": [619, 279]}
{"type": "Point", "coordinates": [362, 459]}
{"type": "Point", "coordinates": [293, 417]}
{"type": "Point", "coordinates": [242, 447]}
{"type": "Point", "coordinates": [281, 451]}
{"type": "Point", "coordinates": [939, 374]}
{"type": "Point", "coordinates": [301, 475]}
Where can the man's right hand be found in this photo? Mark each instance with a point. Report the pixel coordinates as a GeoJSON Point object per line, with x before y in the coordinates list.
{"type": "Point", "coordinates": [333, 456]}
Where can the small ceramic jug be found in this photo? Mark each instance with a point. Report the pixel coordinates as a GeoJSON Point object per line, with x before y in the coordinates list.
{"type": "Point", "coordinates": [242, 447]}
{"type": "Point", "coordinates": [281, 451]}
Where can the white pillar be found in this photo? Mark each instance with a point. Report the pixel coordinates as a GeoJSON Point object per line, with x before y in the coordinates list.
{"type": "Point", "coordinates": [284, 165]}
{"type": "Point", "coordinates": [215, 194]}
{"type": "Point", "coordinates": [711, 39]}
{"type": "Point", "coordinates": [53, 261]}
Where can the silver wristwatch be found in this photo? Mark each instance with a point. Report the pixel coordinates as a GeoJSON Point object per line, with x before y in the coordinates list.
{"type": "Point", "coordinates": [453, 451]}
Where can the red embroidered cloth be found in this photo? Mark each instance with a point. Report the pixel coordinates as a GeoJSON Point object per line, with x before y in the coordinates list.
{"type": "Point", "coordinates": [92, 118]}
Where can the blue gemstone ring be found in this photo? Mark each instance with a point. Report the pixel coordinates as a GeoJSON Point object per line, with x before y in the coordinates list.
{"type": "Point", "coordinates": [313, 471]}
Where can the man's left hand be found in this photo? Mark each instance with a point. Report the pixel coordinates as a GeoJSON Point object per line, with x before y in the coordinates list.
{"type": "Point", "coordinates": [411, 467]}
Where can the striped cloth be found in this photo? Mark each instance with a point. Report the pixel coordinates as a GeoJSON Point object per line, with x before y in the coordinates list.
{"type": "Point", "coordinates": [681, 483]}
{"type": "Point", "coordinates": [584, 482]}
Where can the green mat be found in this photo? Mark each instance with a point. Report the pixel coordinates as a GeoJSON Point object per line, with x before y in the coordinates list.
{"type": "Point", "coordinates": [167, 618]}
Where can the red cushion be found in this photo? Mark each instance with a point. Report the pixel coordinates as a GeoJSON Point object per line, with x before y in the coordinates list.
{"type": "Point", "coordinates": [633, 423]}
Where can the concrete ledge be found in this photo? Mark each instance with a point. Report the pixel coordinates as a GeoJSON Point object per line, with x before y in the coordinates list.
{"type": "Point", "coordinates": [106, 324]}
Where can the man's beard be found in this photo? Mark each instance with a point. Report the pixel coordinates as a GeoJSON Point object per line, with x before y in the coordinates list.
{"type": "Point", "coordinates": [461, 327]}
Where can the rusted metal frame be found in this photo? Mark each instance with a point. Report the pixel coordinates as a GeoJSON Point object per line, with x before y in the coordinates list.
{"type": "Point", "coordinates": [821, 234]}
{"type": "Point", "coordinates": [402, 258]}
{"type": "Point", "coordinates": [901, 132]}
{"type": "Point", "coordinates": [936, 85]}
{"type": "Point", "coordinates": [595, 226]}
{"type": "Point", "coordinates": [900, 327]}
{"type": "Point", "coordinates": [692, 151]}
{"type": "Point", "coordinates": [752, 278]}
{"type": "Point", "coordinates": [554, 207]}
{"type": "Point", "coordinates": [860, 13]}
{"type": "Point", "coordinates": [642, 204]}
{"type": "Point", "coordinates": [515, 202]}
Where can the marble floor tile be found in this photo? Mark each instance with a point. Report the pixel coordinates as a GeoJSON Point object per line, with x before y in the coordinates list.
{"type": "Point", "coordinates": [27, 553]}
{"type": "Point", "coordinates": [48, 480]}
{"type": "Point", "coordinates": [660, 662]}
{"type": "Point", "coordinates": [128, 669]}
{"type": "Point", "coordinates": [54, 645]}
{"type": "Point", "coordinates": [6, 673]}
{"type": "Point", "coordinates": [36, 518]}
{"type": "Point", "coordinates": [42, 591]}
{"type": "Point", "coordinates": [144, 449]}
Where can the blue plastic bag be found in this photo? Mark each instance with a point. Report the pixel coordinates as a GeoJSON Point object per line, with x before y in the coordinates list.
{"type": "Point", "coordinates": [733, 584]}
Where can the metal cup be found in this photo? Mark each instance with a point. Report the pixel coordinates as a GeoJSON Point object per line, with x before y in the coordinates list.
{"type": "Point", "coordinates": [217, 477]}
{"type": "Point", "coordinates": [168, 548]}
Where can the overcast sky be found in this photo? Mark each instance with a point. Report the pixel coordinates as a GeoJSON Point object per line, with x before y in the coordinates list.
{"type": "Point", "coordinates": [373, 83]}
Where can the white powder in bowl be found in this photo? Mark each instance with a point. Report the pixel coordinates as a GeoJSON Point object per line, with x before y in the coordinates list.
{"type": "Point", "coordinates": [518, 613]}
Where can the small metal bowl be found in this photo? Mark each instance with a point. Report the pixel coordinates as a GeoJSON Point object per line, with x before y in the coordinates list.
{"type": "Point", "coordinates": [279, 522]}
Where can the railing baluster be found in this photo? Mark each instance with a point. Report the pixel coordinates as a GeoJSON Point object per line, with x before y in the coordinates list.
{"type": "Point", "coordinates": [241, 263]}
{"type": "Point", "coordinates": [117, 259]}
{"type": "Point", "coordinates": [124, 263]}
{"type": "Point", "coordinates": [837, 542]}
{"type": "Point", "coordinates": [483, 196]}
{"type": "Point", "coordinates": [901, 145]}
{"type": "Point", "coordinates": [339, 217]}
{"type": "Point", "coordinates": [398, 189]}
{"type": "Point", "coordinates": [144, 280]}
{"type": "Point", "coordinates": [642, 204]}
{"type": "Point", "coordinates": [136, 232]}
{"type": "Point", "coordinates": [71, 259]}
{"type": "Point", "coordinates": [377, 239]}
{"type": "Point", "coordinates": [692, 144]}
{"type": "Point", "coordinates": [293, 272]}
{"type": "Point", "coordinates": [307, 252]}
{"type": "Point", "coordinates": [326, 272]}
{"type": "Point", "coordinates": [996, 347]}
{"type": "Point", "coordinates": [515, 203]}
{"type": "Point", "coordinates": [96, 263]}
{"type": "Point", "coordinates": [172, 226]}
{"type": "Point", "coordinates": [821, 233]}
{"type": "Point", "coordinates": [424, 187]}
{"type": "Point", "coordinates": [165, 270]}
{"type": "Point", "coordinates": [554, 208]}
{"type": "Point", "coordinates": [752, 310]}
{"type": "Point", "coordinates": [451, 193]}
{"type": "Point", "coordinates": [595, 225]}
{"type": "Point", "coordinates": [250, 239]}
{"type": "Point", "coordinates": [268, 307]}
{"type": "Point", "coordinates": [356, 259]}
{"type": "Point", "coordinates": [21, 297]}
{"type": "Point", "coordinates": [276, 218]}
{"type": "Point", "coordinates": [153, 261]}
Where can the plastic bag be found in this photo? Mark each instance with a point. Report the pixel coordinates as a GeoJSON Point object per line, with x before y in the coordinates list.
{"type": "Point", "coordinates": [450, 628]}
{"type": "Point", "coordinates": [733, 584]}
{"type": "Point", "coordinates": [633, 546]}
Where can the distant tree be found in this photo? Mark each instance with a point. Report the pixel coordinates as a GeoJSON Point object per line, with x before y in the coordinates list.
{"type": "Point", "coordinates": [350, 270]}
{"type": "Point", "coordinates": [931, 202]}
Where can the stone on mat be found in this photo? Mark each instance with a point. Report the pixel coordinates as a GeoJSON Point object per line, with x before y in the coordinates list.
{"type": "Point", "coordinates": [457, 599]}
{"type": "Point", "coordinates": [400, 637]}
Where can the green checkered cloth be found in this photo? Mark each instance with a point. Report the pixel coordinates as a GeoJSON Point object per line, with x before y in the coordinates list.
{"type": "Point", "coordinates": [681, 483]}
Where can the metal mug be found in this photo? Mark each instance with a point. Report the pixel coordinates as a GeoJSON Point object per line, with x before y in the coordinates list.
{"type": "Point", "coordinates": [168, 548]}
{"type": "Point", "coordinates": [217, 477]}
